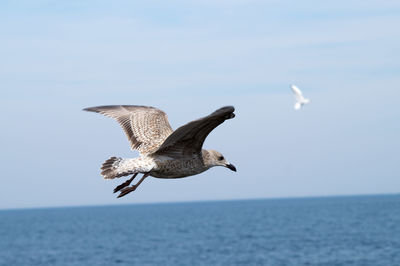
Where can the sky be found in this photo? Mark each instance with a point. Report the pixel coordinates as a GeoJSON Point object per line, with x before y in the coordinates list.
{"type": "Point", "coordinates": [189, 58]}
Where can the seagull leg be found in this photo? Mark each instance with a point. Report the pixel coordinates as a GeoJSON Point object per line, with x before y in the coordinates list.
{"type": "Point", "coordinates": [125, 184]}
{"type": "Point", "coordinates": [132, 188]}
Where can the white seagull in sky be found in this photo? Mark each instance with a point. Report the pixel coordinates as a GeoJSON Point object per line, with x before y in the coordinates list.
{"type": "Point", "coordinates": [300, 100]}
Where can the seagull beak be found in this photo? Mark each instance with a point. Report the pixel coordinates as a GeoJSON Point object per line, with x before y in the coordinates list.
{"type": "Point", "coordinates": [231, 166]}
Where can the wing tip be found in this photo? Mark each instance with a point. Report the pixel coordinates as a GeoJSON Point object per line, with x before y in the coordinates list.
{"type": "Point", "coordinates": [102, 108]}
{"type": "Point", "coordinates": [90, 109]}
{"type": "Point", "coordinates": [226, 109]}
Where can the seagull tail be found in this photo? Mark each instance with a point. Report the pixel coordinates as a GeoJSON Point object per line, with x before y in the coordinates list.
{"type": "Point", "coordinates": [114, 167]}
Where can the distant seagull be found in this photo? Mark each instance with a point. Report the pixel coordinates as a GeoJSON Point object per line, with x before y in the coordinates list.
{"type": "Point", "coordinates": [164, 153]}
{"type": "Point", "coordinates": [300, 100]}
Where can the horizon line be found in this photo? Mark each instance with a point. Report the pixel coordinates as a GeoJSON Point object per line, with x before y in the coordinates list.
{"type": "Point", "coordinates": [199, 201]}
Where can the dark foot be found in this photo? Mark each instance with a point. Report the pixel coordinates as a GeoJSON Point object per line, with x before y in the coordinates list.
{"type": "Point", "coordinates": [125, 184]}
{"type": "Point", "coordinates": [132, 188]}
{"type": "Point", "coordinates": [127, 190]}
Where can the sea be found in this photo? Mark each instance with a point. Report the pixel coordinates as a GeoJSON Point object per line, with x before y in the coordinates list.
{"type": "Point", "coordinates": [354, 230]}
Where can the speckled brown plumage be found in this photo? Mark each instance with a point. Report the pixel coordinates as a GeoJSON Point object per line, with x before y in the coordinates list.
{"type": "Point", "coordinates": [146, 127]}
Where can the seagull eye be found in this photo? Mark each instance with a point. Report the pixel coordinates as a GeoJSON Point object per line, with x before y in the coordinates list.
{"type": "Point", "coordinates": [220, 158]}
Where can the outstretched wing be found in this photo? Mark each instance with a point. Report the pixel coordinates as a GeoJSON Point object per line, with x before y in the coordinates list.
{"type": "Point", "coordinates": [297, 93]}
{"type": "Point", "coordinates": [296, 90]}
{"type": "Point", "coordinates": [188, 139]}
{"type": "Point", "coordinates": [146, 127]}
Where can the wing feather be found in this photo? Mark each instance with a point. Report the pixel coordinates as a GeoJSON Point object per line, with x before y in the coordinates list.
{"type": "Point", "coordinates": [296, 90]}
{"type": "Point", "coordinates": [145, 127]}
{"type": "Point", "coordinates": [297, 93]}
{"type": "Point", "coordinates": [188, 139]}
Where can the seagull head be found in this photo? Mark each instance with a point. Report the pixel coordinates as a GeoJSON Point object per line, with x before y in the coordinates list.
{"type": "Point", "coordinates": [215, 158]}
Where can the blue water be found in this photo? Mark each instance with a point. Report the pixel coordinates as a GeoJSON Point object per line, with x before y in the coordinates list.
{"type": "Point", "coordinates": [361, 230]}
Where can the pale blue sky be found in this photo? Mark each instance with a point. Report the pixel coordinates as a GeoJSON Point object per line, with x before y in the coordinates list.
{"type": "Point", "coordinates": [188, 59]}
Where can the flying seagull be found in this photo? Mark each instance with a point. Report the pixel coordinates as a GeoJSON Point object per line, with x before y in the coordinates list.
{"type": "Point", "coordinates": [300, 100]}
{"type": "Point", "coordinates": [164, 153]}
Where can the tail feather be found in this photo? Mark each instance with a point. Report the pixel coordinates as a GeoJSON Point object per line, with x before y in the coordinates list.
{"type": "Point", "coordinates": [112, 168]}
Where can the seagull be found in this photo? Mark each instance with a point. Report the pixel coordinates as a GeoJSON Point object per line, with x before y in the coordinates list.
{"type": "Point", "coordinates": [300, 100]}
{"type": "Point", "coordinates": [163, 153]}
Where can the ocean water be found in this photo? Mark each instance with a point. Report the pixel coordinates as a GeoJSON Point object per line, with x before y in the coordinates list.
{"type": "Point", "coordinates": [362, 230]}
